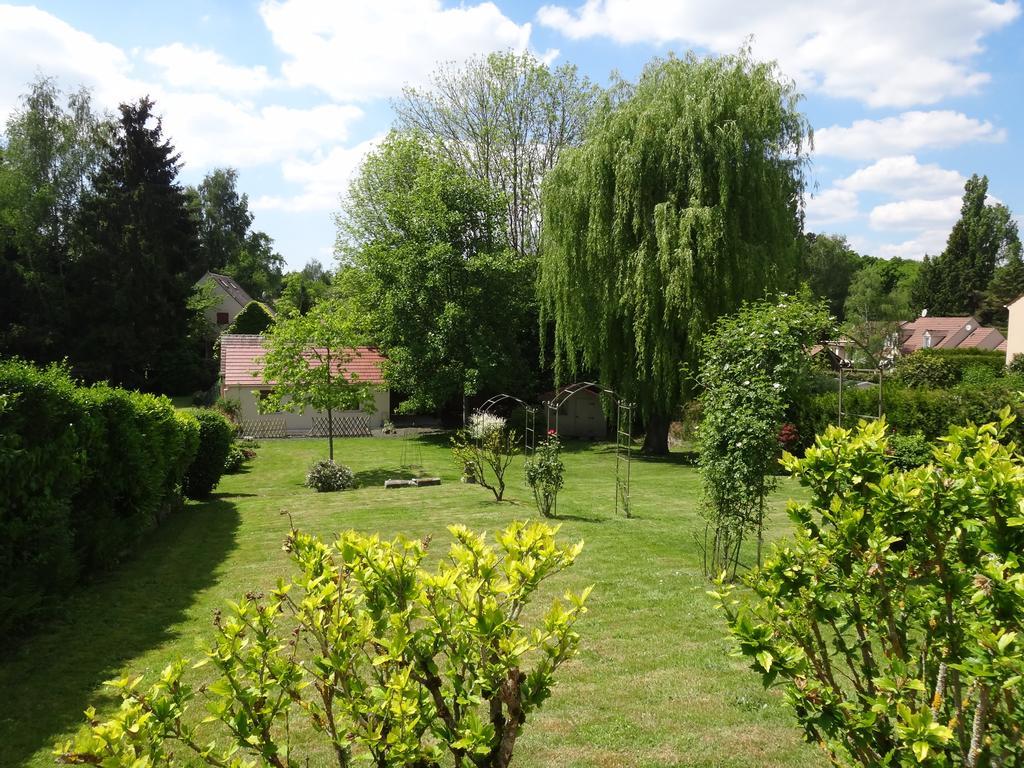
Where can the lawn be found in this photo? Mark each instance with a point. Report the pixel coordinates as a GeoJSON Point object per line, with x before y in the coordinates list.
{"type": "Point", "coordinates": [654, 684]}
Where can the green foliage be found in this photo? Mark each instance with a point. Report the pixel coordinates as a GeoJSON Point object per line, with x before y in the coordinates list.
{"type": "Point", "coordinates": [228, 242]}
{"type": "Point", "coordinates": [879, 299]}
{"type": "Point", "coordinates": [238, 455]}
{"type": "Point", "coordinates": [1016, 366]}
{"type": "Point", "coordinates": [486, 443]}
{"type": "Point", "coordinates": [386, 662]}
{"type": "Point", "coordinates": [301, 290]}
{"type": "Point", "coordinates": [306, 357]}
{"type": "Point", "coordinates": [51, 146]}
{"type": "Point", "coordinates": [829, 265]}
{"type": "Point", "coordinates": [325, 476]}
{"type": "Point", "coordinates": [504, 118]}
{"type": "Point", "coordinates": [439, 289]}
{"type": "Point", "coordinates": [930, 412]}
{"type": "Point", "coordinates": [909, 451]}
{"type": "Point", "coordinates": [681, 203]}
{"type": "Point", "coordinates": [893, 619]}
{"type": "Point", "coordinates": [545, 474]}
{"type": "Point", "coordinates": [216, 434]}
{"type": "Point", "coordinates": [923, 370]}
{"type": "Point", "coordinates": [754, 366]}
{"type": "Point", "coordinates": [83, 471]}
{"type": "Point", "coordinates": [255, 317]}
{"type": "Point", "coordinates": [230, 407]}
{"type": "Point", "coordinates": [962, 359]}
{"type": "Point", "coordinates": [956, 281]}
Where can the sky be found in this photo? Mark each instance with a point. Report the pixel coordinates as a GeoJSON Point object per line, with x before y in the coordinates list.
{"type": "Point", "coordinates": [907, 98]}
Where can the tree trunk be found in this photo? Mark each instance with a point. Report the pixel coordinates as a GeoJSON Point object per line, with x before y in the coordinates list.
{"type": "Point", "coordinates": [330, 433]}
{"type": "Point", "coordinates": [656, 438]}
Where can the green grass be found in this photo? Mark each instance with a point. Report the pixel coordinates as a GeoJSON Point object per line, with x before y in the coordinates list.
{"type": "Point", "coordinates": [654, 684]}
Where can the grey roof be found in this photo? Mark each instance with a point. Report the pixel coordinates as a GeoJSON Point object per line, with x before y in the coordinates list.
{"type": "Point", "coordinates": [231, 287]}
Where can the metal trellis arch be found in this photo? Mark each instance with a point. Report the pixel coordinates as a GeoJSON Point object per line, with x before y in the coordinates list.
{"type": "Point", "coordinates": [623, 434]}
{"type": "Point", "coordinates": [530, 423]}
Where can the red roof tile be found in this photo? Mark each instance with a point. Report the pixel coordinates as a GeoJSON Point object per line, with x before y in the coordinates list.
{"type": "Point", "coordinates": [241, 362]}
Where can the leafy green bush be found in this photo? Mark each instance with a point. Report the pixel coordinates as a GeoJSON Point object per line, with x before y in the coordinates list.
{"type": "Point", "coordinates": [486, 443]}
{"type": "Point", "coordinates": [545, 474]}
{"type": "Point", "coordinates": [83, 472]}
{"type": "Point", "coordinates": [924, 370]}
{"type": "Point", "coordinates": [325, 476]}
{"type": "Point", "coordinates": [894, 619]}
{"type": "Point", "coordinates": [909, 451]}
{"type": "Point", "coordinates": [237, 456]}
{"type": "Point", "coordinates": [215, 437]}
{"type": "Point", "coordinates": [1016, 366]}
{"type": "Point", "coordinates": [961, 359]}
{"type": "Point", "coordinates": [980, 375]}
{"type": "Point", "coordinates": [255, 318]}
{"type": "Point", "coordinates": [930, 412]}
{"type": "Point", "coordinates": [373, 657]}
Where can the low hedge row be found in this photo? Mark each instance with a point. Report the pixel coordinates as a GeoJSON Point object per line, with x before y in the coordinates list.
{"type": "Point", "coordinates": [83, 471]}
{"type": "Point", "coordinates": [911, 410]}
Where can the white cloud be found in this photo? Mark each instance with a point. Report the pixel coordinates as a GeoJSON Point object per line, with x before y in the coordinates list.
{"type": "Point", "coordinates": [904, 176]}
{"type": "Point", "coordinates": [33, 42]}
{"type": "Point", "coordinates": [928, 242]}
{"type": "Point", "coordinates": [323, 180]}
{"type": "Point", "coordinates": [830, 207]}
{"type": "Point", "coordinates": [917, 214]}
{"type": "Point", "coordinates": [876, 51]}
{"type": "Point", "coordinates": [365, 50]}
{"type": "Point", "coordinates": [194, 68]}
{"type": "Point", "coordinates": [210, 130]}
{"type": "Point", "coordinates": [908, 132]}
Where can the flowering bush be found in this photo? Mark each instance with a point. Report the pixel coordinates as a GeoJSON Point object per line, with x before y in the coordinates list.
{"type": "Point", "coordinates": [789, 436]}
{"type": "Point", "coordinates": [485, 444]}
{"type": "Point", "coordinates": [237, 456]}
{"type": "Point", "coordinates": [325, 476]}
{"type": "Point", "coordinates": [545, 474]}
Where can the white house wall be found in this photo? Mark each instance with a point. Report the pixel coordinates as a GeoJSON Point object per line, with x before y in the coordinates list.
{"type": "Point", "coordinates": [301, 422]}
{"type": "Point", "coordinates": [1015, 331]}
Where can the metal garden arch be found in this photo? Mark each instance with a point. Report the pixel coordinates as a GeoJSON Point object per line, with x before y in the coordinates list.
{"type": "Point", "coordinates": [530, 426]}
{"type": "Point", "coordinates": [623, 434]}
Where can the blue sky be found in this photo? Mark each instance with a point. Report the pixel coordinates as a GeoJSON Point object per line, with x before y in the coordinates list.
{"type": "Point", "coordinates": [907, 97]}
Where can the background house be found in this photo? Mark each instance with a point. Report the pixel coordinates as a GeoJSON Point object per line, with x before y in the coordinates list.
{"type": "Point", "coordinates": [964, 332]}
{"type": "Point", "coordinates": [231, 299]}
{"type": "Point", "coordinates": [241, 377]}
{"type": "Point", "coordinates": [1015, 329]}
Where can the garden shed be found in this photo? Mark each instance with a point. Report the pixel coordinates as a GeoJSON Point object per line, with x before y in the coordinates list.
{"type": "Point", "coordinates": [241, 379]}
{"type": "Point", "coordinates": [581, 415]}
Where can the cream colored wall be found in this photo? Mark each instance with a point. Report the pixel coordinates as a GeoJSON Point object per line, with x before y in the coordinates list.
{"type": "Point", "coordinates": [225, 303]}
{"type": "Point", "coordinates": [1015, 331]}
{"type": "Point", "coordinates": [303, 421]}
{"type": "Point", "coordinates": [581, 416]}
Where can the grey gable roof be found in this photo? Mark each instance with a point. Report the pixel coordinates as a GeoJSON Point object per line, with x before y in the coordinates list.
{"type": "Point", "coordinates": [231, 287]}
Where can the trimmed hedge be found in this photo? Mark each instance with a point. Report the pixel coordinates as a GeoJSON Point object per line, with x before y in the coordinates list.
{"type": "Point", "coordinates": [929, 412]}
{"type": "Point", "coordinates": [215, 437]}
{"type": "Point", "coordinates": [961, 360]}
{"type": "Point", "coordinates": [83, 471]}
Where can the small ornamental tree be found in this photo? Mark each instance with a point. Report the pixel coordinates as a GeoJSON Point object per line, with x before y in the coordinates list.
{"type": "Point", "coordinates": [374, 658]}
{"type": "Point", "coordinates": [485, 444]}
{"type": "Point", "coordinates": [305, 364]}
{"type": "Point", "coordinates": [754, 366]}
{"type": "Point", "coordinates": [894, 619]}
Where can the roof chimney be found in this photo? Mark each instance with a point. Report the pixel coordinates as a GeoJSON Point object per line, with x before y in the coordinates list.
{"type": "Point", "coordinates": [924, 312]}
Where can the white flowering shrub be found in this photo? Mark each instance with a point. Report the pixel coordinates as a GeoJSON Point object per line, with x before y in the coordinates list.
{"type": "Point", "coordinates": [484, 425]}
{"type": "Point", "coordinates": [326, 476]}
{"type": "Point", "coordinates": [485, 444]}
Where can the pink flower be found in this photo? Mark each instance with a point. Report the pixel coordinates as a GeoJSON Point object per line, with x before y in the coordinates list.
{"type": "Point", "coordinates": [552, 433]}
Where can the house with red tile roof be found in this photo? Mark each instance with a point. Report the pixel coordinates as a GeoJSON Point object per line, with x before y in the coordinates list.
{"type": "Point", "coordinates": [960, 332]}
{"type": "Point", "coordinates": [241, 379]}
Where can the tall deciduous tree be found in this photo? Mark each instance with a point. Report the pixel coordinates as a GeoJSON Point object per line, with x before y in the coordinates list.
{"type": "Point", "coordinates": [829, 266]}
{"type": "Point", "coordinates": [305, 362]}
{"type": "Point", "coordinates": [984, 238]}
{"type": "Point", "coordinates": [441, 293]}
{"type": "Point", "coordinates": [684, 200]}
{"type": "Point", "coordinates": [51, 145]}
{"type": "Point", "coordinates": [229, 243]}
{"type": "Point", "coordinates": [505, 119]}
{"type": "Point", "coordinates": [137, 258]}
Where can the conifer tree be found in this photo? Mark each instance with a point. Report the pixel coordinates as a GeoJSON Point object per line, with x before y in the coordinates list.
{"type": "Point", "coordinates": [136, 263]}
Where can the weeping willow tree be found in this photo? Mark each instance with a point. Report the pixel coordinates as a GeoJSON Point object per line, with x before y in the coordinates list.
{"type": "Point", "coordinates": [684, 200]}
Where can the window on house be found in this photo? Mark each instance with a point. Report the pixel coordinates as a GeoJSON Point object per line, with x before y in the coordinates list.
{"type": "Point", "coordinates": [222, 318]}
{"type": "Point", "coordinates": [927, 340]}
